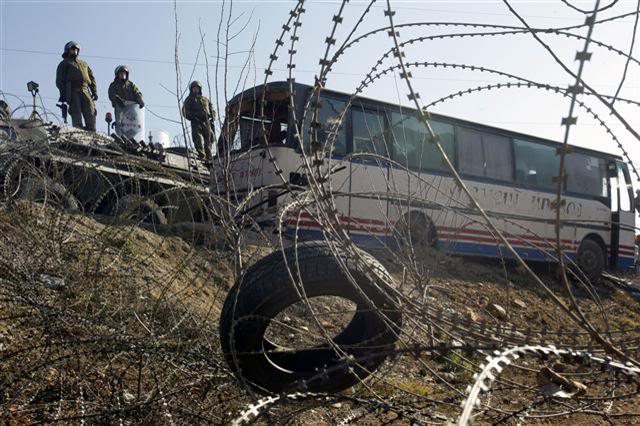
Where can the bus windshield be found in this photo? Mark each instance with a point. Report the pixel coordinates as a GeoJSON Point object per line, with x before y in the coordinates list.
{"type": "Point", "coordinates": [247, 125]}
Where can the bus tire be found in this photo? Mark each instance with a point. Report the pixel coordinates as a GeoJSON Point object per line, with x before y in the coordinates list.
{"type": "Point", "coordinates": [267, 290]}
{"type": "Point", "coordinates": [591, 260]}
{"type": "Point", "coordinates": [417, 230]}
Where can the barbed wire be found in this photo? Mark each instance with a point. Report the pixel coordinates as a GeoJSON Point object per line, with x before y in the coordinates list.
{"type": "Point", "coordinates": [119, 258]}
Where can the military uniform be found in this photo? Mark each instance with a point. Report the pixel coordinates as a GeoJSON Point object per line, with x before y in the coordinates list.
{"type": "Point", "coordinates": [77, 87]}
{"type": "Point", "coordinates": [199, 111]}
{"type": "Point", "coordinates": [124, 90]}
{"type": "Point", "coordinates": [5, 111]}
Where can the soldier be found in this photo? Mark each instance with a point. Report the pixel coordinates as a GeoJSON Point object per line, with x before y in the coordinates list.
{"type": "Point", "coordinates": [200, 112]}
{"type": "Point", "coordinates": [5, 111]}
{"type": "Point", "coordinates": [77, 87]}
{"type": "Point", "coordinates": [122, 89]}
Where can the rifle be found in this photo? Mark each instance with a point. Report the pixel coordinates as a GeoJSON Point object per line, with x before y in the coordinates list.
{"type": "Point", "coordinates": [64, 109]}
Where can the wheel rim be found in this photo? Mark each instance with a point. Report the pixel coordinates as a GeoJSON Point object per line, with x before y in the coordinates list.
{"type": "Point", "coordinates": [588, 261]}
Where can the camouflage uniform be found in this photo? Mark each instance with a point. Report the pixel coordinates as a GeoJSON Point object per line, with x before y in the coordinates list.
{"type": "Point", "coordinates": [200, 112]}
{"type": "Point", "coordinates": [77, 87]}
{"type": "Point", "coordinates": [124, 90]}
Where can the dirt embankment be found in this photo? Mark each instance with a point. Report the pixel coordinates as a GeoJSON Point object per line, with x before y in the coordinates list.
{"type": "Point", "coordinates": [111, 324]}
{"type": "Point", "coordinates": [105, 323]}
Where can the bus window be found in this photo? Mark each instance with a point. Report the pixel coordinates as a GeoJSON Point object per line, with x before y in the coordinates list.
{"type": "Point", "coordinates": [484, 154]}
{"type": "Point", "coordinates": [498, 158]}
{"type": "Point", "coordinates": [586, 174]}
{"type": "Point", "coordinates": [536, 164]}
{"type": "Point", "coordinates": [411, 147]}
{"type": "Point", "coordinates": [254, 132]}
{"type": "Point", "coordinates": [328, 116]}
{"type": "Point", "coordinates": [243, 129]}
{"type": "Point", "coordinates": [368, 132]}
{"type": "Point", "coordinates": [626, 191]}
{"type": "Point", "coordinates": [613, 184]}
{"type": "Point", "coordinates": [470, 156]}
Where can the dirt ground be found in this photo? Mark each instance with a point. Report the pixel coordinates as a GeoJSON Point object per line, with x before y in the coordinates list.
{"type": "Point", "coordinates": [108, 324]}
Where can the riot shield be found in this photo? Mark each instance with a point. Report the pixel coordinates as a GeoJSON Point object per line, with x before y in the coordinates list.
{"type": "Point", "coordinates": [129, 121]}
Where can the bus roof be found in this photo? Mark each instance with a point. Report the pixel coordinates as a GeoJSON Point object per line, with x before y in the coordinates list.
{"type": "Point", "coordinates": [279, 86]}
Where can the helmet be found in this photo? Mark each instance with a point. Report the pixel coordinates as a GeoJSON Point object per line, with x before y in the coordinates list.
{"type": "Point", "coordinates": [69, 46]}
{"type": "Point", "coordinates": [195, 83]}
{"type": "Point", "coordinates": [121, 68]}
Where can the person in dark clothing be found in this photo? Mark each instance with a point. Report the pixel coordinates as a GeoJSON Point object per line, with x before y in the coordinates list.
{"type": "Point", "coordinates": [199, 111]}
{"type": "Point", "coordinates": [122, 89]}
{"type": "Point", "coordinates": [77, 87]}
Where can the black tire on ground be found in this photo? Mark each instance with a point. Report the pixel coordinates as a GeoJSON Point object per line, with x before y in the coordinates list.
{"type": "Point", "coordinates": [46, 190]}
{"type": "Point", "coordinates": [417, 230]}
{"type": "Point", "coordinates": [267, 290]}
{"type": "Point", "coordinates": [139, 209]}
{"type": "Point", "coordinates": [591, 259]}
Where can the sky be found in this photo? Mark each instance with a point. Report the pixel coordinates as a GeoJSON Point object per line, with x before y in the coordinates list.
{"type": "Point", "coordinates": [141, 34]}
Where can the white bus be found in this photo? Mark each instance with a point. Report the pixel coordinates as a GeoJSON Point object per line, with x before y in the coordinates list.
{"type": "Point", "coordinates": [381, 203]}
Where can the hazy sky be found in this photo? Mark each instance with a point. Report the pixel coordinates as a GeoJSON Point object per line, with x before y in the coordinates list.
{"type": "Point", "coordinates": [141, 34]}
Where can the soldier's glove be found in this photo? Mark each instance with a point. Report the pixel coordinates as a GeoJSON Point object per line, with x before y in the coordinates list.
{"type": "Point", "coordinates": [94, 96]}
{"type": "Point", "coordinates": [141, 104]}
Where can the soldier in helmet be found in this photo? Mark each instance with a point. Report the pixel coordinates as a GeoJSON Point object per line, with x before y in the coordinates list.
{"type": "Point", "coordinates": [122, 89]}
{"type": "Point", "coordinates": [200, 112]}
{"type": "Point", "coordinates": [77, 87]}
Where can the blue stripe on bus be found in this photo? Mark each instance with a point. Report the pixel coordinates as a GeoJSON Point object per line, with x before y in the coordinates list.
{"type": "Point", "coordinates": [493, 250]}
{"type": "Point", "coordinates": [625, 262]}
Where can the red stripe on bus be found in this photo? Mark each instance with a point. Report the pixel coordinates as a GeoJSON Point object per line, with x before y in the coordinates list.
{"type": "Point", "coordinates": [379, 227]}
{"type": "Point", "coordinates": [343, 218]}
{"type": "Point", "coordinates": [524, 237]}
{"type": "Point", "coordinates": [314, 224]}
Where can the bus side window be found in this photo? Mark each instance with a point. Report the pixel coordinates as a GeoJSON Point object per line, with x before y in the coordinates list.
{"type": "Point", "coordinates": [368, 132]}
{"type": "Point", "coordinates": [536, 164]}
{"type": "Point", "coordinates": [411, 147]}
{"type": "Point", "coordinates": [586, 174]}
{"type": "Point", "coordinates": [330, 129]}
{"type": "Point", "coordinates": [484, 155]}
{"type": "Point", "coordinates": [435, 161]}
{"type": "Point", "coordinates": [470, 155]}
{"type": "Point", "coordinates": [408, 139]}
{"type": "Point", "coordinates": [498, 157]}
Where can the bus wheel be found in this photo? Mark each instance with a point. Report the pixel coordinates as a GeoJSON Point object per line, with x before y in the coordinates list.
{"type": "Point", "coordinates": [266, 291]}
{"type": "Point", "coordinates": [417, 230]}
{"type": "Point", "coordinates": [591, 259]}
{"type": "Point", "coordinates": [137, 208]}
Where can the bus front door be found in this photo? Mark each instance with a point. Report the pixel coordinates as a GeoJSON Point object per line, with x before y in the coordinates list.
{"type": "Point", "coordinates": [622, 217]}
